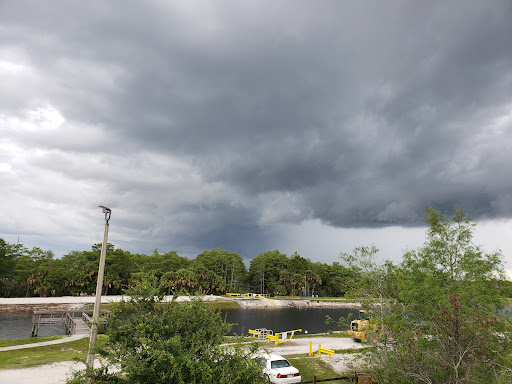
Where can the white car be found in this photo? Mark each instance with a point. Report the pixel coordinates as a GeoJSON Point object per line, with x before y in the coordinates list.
{"type": "Point", "coordinates": [278, 369]}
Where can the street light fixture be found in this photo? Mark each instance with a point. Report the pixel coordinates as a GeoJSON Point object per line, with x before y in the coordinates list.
{"type": "Point", "coordinates": [99, 287]}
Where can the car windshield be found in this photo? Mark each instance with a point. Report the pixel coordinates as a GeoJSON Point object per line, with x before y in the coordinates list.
{"type": "Point", "coordinates": [279, 364]}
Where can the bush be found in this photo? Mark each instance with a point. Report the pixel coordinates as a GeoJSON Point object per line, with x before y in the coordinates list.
{"type": "Point", "coordinates": [154, 342]}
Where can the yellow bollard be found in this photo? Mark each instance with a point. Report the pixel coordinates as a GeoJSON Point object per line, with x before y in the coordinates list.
{"type": "Point", "coordinates": [310, 348]}
{"type": "Point", "coordinates": [327, 351]}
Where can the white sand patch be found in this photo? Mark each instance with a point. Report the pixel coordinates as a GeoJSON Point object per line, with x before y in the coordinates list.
{"type": "Point", "coordinates": [56, 373]}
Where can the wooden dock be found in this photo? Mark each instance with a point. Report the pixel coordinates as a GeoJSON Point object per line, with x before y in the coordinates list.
{"type": "Point", "coordinates": [76, 322]}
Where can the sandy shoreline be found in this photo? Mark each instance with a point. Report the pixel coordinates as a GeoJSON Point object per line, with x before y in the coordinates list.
{"type": "Point", "coordinates": [29, 304]}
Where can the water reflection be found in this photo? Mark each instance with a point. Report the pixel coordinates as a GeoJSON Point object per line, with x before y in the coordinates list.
{"type": "Point", "coordinates": [19, 326]}
{"type": "Point", "coordinates": [285, 319]}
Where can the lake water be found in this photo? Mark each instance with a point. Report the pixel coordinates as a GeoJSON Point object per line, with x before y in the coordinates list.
{"type": "Point", "coordinates": [286, 319]}
{"type": "Point", "coordinates": [19, 325]}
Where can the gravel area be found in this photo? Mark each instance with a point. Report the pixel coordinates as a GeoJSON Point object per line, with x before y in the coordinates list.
{"type": "Point", "coordinates": [296, 346]}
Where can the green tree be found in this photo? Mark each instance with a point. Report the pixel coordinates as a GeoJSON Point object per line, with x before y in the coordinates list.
{"type": "Point", "coordinates": [449, 324]}
{"type": "Point", "coordinates": [7, 268]}
{"type": "Point", "coordinates": [81, 270]}
{"type": "Point", "coordinates": [155, 342]}
{"type": "Point", "coordinates": [229, 266]}
{"type": "Point", "coordinates": [185, 281]}
{"type": "Point", "coordinates": [171, 261]}
{"type": "Point", "coordinates": [337, 280]}
{"type": "Point", "coordinates": [373, 286]}
{"type": "Point", "coordinates": [298, 264]}
{"type": "Point", "coordinates": [312, 279]}
{"type": "Point", "coordinates": [42, 277]}
{"type": "Point", "coordinates": [12, 282]}
{"type": "Point", "coordinates": [118, 268]}
{"type": "Point", "coordinates": [205, 279]}
{"type": "Point", "coordinates": [265, 271]}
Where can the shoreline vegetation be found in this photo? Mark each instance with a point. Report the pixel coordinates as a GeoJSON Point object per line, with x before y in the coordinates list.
{"type": "Point", "coordinates": [10, 305]}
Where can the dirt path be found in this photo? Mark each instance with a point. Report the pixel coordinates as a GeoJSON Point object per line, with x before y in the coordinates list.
{"type": "Point", "coordinates": [56, 373]}
{"type": "Point", "coordinates": [43, 343]}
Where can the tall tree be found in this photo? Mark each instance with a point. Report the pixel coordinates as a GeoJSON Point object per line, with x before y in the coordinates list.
{"type": "Point", "coordinates": [265, 271]}
{"type": "Point", "coordinates": [229, 266]}
{"type": "Point", "coordinates": [450, 325]}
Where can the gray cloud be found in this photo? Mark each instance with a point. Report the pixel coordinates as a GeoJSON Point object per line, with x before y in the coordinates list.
{"type": "Point", "coordinates": [212, 120]}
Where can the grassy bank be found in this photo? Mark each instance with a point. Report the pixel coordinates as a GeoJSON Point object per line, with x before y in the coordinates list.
{"type": "Point", "coordinates": [29, 340]}
{"type": "Point", "coordinates": [224, 305]}
{"type": "Point", "coordinates": [312, 366]}
{"type": "Point", "coordinates": [318, 299]}
{"type": "Point", "coordinates": [31, 357]}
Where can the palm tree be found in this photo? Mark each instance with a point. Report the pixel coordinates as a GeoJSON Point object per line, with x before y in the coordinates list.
{"type": "Point", "coordinates": [313, 279]}
{"type": "Point", "coordinates": [203, 278]}
{"type": "Point", "coordinates": [185, 280]}
{"type": "Point", "coordinates": [167, 280]}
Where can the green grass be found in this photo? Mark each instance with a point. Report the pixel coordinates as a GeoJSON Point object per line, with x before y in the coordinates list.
{"type": "Point", "coordinates": [352, 350]}
{"type": "Point", "coordinates": [330, 299]}
{"type": "Point", "coordinates": [103, 306]}
{"type": "Point", "coordinates": [330, 334]}
{"type": "Point", "coordinates": [312, 366]}
{"type": "Point", "coordinates": [507, 301]}
{"type": "Point", "coordinates": [223, 304]}
{"type": "Point", "coordinates": [31, 357]}
{"type": "Point", "coordinates": [238, 339]}
{"type": "Point", "coordinates": [30, 340]}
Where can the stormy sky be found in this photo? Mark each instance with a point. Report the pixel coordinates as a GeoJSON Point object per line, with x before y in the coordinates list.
{"type": "Point", "coordinates": [309, 126]}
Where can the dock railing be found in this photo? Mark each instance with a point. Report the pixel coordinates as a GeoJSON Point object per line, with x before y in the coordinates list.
{"type": "Point", "coordinates": [72, 320]}
{"type": "Point", "coordinates": [69, 324]}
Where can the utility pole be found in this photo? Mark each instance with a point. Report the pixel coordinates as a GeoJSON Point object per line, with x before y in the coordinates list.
{"type": "Point", "coordinates": [99, 288]}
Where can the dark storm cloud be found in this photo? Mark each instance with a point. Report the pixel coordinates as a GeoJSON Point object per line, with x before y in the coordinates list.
{"type": "Point", "coordinates": [357, 114]}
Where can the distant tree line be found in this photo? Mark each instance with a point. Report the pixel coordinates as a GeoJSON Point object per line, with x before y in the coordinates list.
{"type": "Point", "coordinates": [35, 272]}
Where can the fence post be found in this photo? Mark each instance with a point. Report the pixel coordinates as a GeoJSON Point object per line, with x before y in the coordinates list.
{"type": "Point", "coordinates": [314, 379]}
